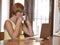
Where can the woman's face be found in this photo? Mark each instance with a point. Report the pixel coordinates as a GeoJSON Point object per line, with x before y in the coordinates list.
{"type": "Point", "coordinates": [19, 14]}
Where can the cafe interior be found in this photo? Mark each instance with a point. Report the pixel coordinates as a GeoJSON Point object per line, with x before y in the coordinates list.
{"type": "Point", "coordinates": [45, 21]}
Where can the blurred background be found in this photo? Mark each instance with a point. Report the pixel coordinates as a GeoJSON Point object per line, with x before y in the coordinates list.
{"type": "Point", "coordinates": [41, 13]}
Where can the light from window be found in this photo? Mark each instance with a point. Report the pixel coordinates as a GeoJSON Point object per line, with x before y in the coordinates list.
{"type": "Point", "coordinates": [41, 15]}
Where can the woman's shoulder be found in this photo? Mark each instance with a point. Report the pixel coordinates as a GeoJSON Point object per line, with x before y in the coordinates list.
{"type": "Point", "coordinates": [7, 22]}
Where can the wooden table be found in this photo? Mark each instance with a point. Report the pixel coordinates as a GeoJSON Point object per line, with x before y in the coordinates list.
{"type": "Point", "coordinates": [50, 41]}
{"type": "Point", "coordinates": [56, 40]}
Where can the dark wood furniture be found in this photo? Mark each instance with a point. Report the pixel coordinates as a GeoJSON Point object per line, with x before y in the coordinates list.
{"type": "Point", "coordinates": [50, 41]}
{"type": "Point", "coordinates": [1, 35]}
{"type": "Point", "coordinates": [28, 42]}
{"type": "Point", "coordinates": [45, 31]}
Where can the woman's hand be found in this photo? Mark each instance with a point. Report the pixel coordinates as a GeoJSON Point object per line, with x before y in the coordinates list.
{"type": "Point", "coordinates": [19, 20]}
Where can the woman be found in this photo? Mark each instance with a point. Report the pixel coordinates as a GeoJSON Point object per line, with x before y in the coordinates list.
{"type": "Point", "coordinates": [12, 25]}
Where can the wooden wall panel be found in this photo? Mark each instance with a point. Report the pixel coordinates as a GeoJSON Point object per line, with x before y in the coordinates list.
{"type": "Point", "coordinates": [59, 4]}
{"type": "Point", "coordinates": [29, 8]}
{"type": "Point", "coordinates": [11, 3]}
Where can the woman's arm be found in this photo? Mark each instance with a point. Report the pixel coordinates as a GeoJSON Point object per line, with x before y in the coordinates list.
{"type": "Point", "coordinates": [28, 30]}
{"type": "Point", "coordinates": [29, 26]}
{"type": "Point", "coordinates": [13, 33]}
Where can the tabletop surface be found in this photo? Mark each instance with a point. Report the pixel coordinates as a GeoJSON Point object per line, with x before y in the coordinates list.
{"type": "Point", "coordinates": [50, 41]}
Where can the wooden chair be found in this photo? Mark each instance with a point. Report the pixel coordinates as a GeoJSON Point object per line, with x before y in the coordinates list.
{"type": "Point", "coordinates": [1, 35]}
{"type": "Point", "coordinates": [45, 31]}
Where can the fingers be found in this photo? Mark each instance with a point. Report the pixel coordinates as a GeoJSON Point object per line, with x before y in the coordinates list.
{"type": "Point", "coordinates": [19, 20]}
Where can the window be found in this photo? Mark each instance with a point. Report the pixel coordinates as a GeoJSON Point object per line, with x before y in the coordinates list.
{"type": "Point", "coordinates": [41, 15]}
{"type": "Point", "coordinates": [20, 1]}
{"type": "Point", "coordinates": [5, 13]}
{"type": "Point", "coordinates": [0, 14]}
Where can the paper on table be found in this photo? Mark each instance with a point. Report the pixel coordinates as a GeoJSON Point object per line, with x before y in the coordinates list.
{"type": "Point", "coordinates": [57, 33]}
{"type": "Point", "coordinates": [35, 38]}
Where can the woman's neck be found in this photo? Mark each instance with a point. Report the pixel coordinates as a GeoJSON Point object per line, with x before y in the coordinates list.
{"type": "Point", "coordinates": [14, 19]}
